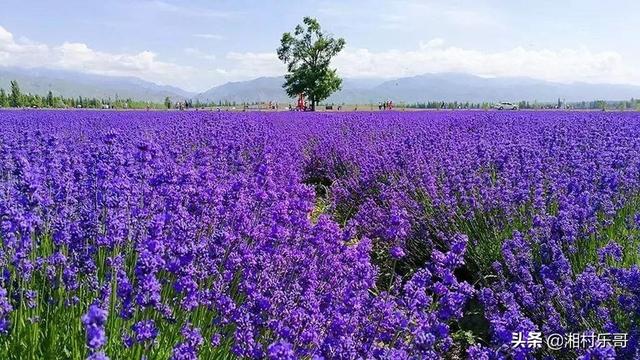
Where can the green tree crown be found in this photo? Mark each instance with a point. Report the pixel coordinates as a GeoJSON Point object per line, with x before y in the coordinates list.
{"type": "Point", "coordinates": [15, 99]}
{"type": "Point", "coordinates": [308, 53]}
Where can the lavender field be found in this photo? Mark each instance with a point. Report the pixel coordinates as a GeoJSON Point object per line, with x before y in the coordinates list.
{"type": "Point", "coordinates": [392, 235]}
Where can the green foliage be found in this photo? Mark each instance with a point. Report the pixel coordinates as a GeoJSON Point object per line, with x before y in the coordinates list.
{"type": "Point", "coordinates": [632, 104]}
{"type": "Point", "coordinates": [4, 100]}
{"type": "Point", "coordinates": [15, 99]}
{"type": "Point", "coordinates": [619, 231]}
{"type": "Point", "coordinates": [50, 99]}
{"type": "Point", "coordinates": [52, 329]}
{"type": "Point", "coordinates": [18, 99]}
{"type": "Point", "coordinates": [447, 105]}
{"type": "Point", "coordinates": [307, 53]}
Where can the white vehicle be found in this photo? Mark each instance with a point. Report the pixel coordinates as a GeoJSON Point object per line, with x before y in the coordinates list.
{"type": "Point", "coordinates": [506, 106]}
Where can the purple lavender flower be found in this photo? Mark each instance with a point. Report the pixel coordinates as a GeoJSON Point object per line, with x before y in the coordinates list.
{"type": "Point", "coordinates": [5, 309]}
{"type": "Point", "coordinates": [214, 215]}
{"type": "Point", "coordinates": [397, 252]}
{"type": "Point", "coordinates": [98, 356]}
{"type": "Point", "coordinates": [611, 250]}
{"type": "Point", "coordinates": [144, 331]}
{"type": "Point", "coordinates": [281, 350]}
{"type": "Point", "coordinates": [215, 340]}
{"type": "Point", "coordinates": [94, 321]}
{"type": "Point", "coordinates": [188, 348]}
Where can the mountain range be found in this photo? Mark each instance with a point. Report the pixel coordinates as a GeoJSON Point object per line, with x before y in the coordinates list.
{"type": "Point", "coordinates": [74, 84]}
{"type": "Point", "coordinates": [422, 88]}
{"type": "Point", "coordinates": [431, 87]}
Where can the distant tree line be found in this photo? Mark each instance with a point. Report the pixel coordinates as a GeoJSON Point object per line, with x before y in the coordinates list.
{"type": "Point", "coordinates": [187, 104]}
{"type": "Point", "coordinates": [632, 104]}
{"type": "Point", "coordinates": [447, 105]}
{"type": "Point", "coordinates": [17, 99]}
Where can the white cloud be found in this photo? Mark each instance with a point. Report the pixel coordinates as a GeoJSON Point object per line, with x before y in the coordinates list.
{"type": "Point", "coordinates": [209, 36]}
{"type": "Point", "coordinates": [563, 65]}
{"type": "Point", "coordinates": [199, 54]}
{"type": "Point", "coordinates": [433, 43]}
{"type": "Point", "coordinates": [471, 19]}
{"type": "Point", "coordinates": [414, 15]}
{"type": "Point", "coordinates": [435, 55]}
{"type": "Point", "coordinates": [5, 36]}
{"type": "Point", "coordinates": [185, 10]}
{"type": "Point", "coordinates": [250, 64]}
{"type": "Point", "coordinates": [80, 57]}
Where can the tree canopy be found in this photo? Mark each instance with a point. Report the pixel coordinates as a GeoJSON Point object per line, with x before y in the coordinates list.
{"type": "Point", "coordinates": [307, 53]}
{"type": "Point", "coordinates": [15, 99]}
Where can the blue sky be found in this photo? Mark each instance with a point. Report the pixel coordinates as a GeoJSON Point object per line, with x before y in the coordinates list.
{"type": "Point", "coordinates": [198, 44]}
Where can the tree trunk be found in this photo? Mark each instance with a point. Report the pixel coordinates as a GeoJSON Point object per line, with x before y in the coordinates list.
{"type": "Point", "coordinates": [313, 104]}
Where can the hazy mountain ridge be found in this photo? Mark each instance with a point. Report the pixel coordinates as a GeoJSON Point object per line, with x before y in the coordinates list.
{"type": "Point", "coordinates": [430, 87]}
{"type": "Point", "coordinates": [422, 88]}
{"type": "Point", "coordinates": [73, 84]}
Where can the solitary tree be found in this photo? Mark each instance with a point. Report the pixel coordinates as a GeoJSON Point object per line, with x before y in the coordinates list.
{"type": "Point", "coordinates": [15, 99]}
{"type": "Point", "coordinates": [167, 102]}
{"type": "Point", "coordinates": [307, 53]}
